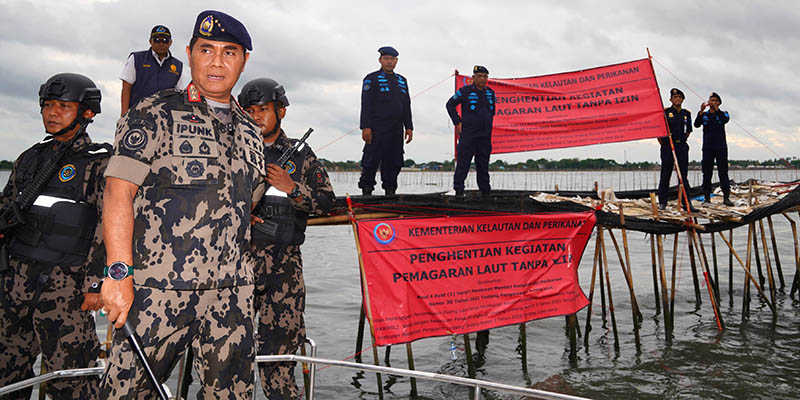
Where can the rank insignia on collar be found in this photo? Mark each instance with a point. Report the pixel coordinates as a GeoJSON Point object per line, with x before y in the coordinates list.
{"type": "Point", "coordinates": [192, 93]}
{"type": "Point", "coordinates": [206, 26]}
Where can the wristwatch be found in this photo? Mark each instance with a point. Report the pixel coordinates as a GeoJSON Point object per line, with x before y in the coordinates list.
{"type": "Point", "coordinates": [295, 193]}
{"type": "Point", "coordinates": [118, 271]}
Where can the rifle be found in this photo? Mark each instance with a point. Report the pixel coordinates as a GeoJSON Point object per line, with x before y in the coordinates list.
{"type": "Point", "coordinates": [12, 216]}
{"type": "Point", "coordinates": [270, 228]}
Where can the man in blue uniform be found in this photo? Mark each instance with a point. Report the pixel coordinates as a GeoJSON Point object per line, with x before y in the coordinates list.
{"type": "Point", "coordinates": [715, 146]}
{"type": "Point", "coordinates": [385, 110]}
{"type": "Point", "coordinates": [679, 121]}
{"type": "Point", "coordinates": [148, 71]}
{"type": "Point", "coordinates": [474, 128]}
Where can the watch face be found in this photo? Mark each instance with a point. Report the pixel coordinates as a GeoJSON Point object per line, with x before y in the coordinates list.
{"type": "Point", "coordinates": [118, 271]}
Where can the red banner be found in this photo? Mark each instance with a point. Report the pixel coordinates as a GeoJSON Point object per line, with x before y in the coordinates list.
{"type": "Point", "coordinates": [452, 275]}
{"type": "Point", "coordinates": [608, 104]}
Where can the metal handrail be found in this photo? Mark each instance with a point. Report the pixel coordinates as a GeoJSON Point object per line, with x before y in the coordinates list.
{"type": "Point", "coordinates": [477, 384]}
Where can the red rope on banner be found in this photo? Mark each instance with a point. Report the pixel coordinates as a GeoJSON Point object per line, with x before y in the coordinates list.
{"type": "Point", "coordinates": [355, 129]}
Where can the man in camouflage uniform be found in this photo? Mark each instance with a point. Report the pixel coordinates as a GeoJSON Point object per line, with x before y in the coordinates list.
{"type": "Point", "coordinates": [53, 280]}
{"type": "Point", "coordinates": [187, 169]}
{"type": "Point", "coordinates": [296, 189]}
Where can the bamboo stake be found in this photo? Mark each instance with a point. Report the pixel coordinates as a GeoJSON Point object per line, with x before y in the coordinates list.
{"type": "Point", "coordinates": [675, 241]}
{"type": "Point", "coordinates": [468, 351]}
{"type": "Point", "coordinates": [694, 270]}
{"type": "Point", "coordinates": [610, 298]}
{"type": "Point", "coordinates": [796, 254]}
{"type": "Point", "coordinates": [655, 279]}
{"type": "Point", "coordinates": [746, 291]}
{"type": "Point", "coordinates": [758, 257]}
{"type": "Point", "coordinates": [748, 275]}
{"type": "Point", "coordinates": [591, 291]}
{"type": "Point", "coordinates": [365, 288]}
{"type": "Point", "coordinates": [716, 270]}
{"type": "Point", "coordinates": [628, 263]}
{"type": "Point", "coordinates": [775, 251]}
{"type": "Point", "coordinates": [523, 343]}
{"type": "Point", "coordinates": [345, 219]}
{"type": "Point", "coordinates": [709, 285]}
{"type": "Point", "coordinates": [730, 269]}
{"type": "Point", "coordinates": [767, 262]}
{"type": "Point", "coordinates": [572, 320]}
{"type": "Point", "coordinates": [410, 355]}
{"type": "Point", "coordinates": [634, 305]}
{"type": "Point", "coordinates": [713, 283]}
{"type": "Point", "coordinates": [360, 334]}
{"type": "Point", "coordinates": [667, 317]}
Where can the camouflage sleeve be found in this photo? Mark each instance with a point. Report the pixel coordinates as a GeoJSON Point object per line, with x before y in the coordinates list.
{"type": "Point", "coordinates": [10, 191]}
{"type": "Point", "coordinates": [95, 185]}
{"type": "Point", "coordinates": [318, 196]}
{"type": "Point", "coordinates": [135, 144]}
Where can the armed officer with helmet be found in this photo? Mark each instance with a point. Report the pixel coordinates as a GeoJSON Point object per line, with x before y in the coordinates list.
{"type": "Point", "coordinates": [296, 189]}
{"type": "Point", "coordinates": [51, 281]}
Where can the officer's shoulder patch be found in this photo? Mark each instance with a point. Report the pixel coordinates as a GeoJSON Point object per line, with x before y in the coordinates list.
{"type": "Point", "coordinates": [670, 115]}
{"type": "Point", "coordinates": [366, 85]}
{"type": "Point", "coordinates": [135, 139]}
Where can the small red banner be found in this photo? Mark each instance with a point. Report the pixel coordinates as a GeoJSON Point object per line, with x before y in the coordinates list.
{"type": "Point", "coordinates": [452, 275]}
{"type": "Point", "coordinates": [608, 104]}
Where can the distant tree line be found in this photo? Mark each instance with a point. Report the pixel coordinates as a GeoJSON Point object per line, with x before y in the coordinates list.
{"type": "Point", "coordinates": [577, 164]}
{"type": "Point", "coordinates": [544, 164]}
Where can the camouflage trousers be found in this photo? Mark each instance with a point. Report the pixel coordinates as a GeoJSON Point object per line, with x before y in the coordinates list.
{"type": "Point", "coordinates": [280, 300]}
{"type": "Point", "coordinates": [217, 323]}
{"type": "Point", "coordinates": [54, 327]}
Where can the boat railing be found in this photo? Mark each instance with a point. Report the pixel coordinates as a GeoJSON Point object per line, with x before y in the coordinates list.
{"type": "Point", "coordinates": [475, 384]}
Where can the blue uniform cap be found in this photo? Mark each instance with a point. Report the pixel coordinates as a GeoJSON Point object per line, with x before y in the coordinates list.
{"type": "Point", "coordinates": [388, 51]}
{"type": "Point", "coordinates": [675, 91]}
{"type": "Point", "coordinates": [160, 30]}
{"type": "Point", "coordinates": [479, 69]}
{"type": "Point", "coordinates": [218, 26]}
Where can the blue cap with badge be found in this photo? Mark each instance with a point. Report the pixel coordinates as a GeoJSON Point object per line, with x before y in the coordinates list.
{"type": "Point", "coordinates": [218, 26]}
{"type": "Point", "coordinates": [388, 51]}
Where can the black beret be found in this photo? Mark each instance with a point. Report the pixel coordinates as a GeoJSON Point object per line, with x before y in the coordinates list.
{"type": "Point", "coordinates": [388, 51]}
{"type": "Point", "coordinates": [160, 30]}
{"type": "Point", "coordinates": [714, 94]}
{"type": "Point", "coordinates": [218, 26]}
{"type": "Point", "coordinates": [479, 69]}
{"type": "Point", "coordinates": [675, 91]}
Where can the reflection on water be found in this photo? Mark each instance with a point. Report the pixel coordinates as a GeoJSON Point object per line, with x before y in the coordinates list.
{"type": "Point", "coordinates": [755, 357]}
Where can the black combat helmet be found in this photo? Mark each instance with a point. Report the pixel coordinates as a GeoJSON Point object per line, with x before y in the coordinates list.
{"type": "Point", "coordinates": [71, 87]}
{"type": "Point", "coordinates": [262, 91]}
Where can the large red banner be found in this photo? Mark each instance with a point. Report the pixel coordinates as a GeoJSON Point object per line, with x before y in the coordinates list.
{"type": "Point", "coordinates": [452, 275]}
{"type": "Point", "coordinates": [608, 104]}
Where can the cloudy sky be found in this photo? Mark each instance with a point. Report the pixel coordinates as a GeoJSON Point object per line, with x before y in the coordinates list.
{"type": "Point", "coordinates": [320, 51]}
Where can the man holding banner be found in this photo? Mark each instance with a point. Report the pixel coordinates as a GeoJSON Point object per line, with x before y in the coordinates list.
{"type": "Point", "coordinates": [474, 129]}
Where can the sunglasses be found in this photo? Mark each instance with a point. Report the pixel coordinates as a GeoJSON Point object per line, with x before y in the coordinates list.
{"type": "Point", "coordinates": [160, 40]}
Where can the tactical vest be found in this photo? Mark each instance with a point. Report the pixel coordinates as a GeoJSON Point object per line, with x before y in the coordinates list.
{"type": "Point", "coordinates": [59, 228]}
{"type": "Point", "coordinates": [283, 224]}
{"type": "Point", "coordinates": [151, 77]}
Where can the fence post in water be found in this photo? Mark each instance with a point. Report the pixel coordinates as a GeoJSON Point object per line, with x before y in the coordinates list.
{"type": "Point", "coordinates": [707, 269]}
{"type": "Point", "coordinates": [360, 333]}
{"type": "Point", "coordinates": [468, 353]}
{"type": "Point", "coordinates": [749, 277]}
{"type": "Point", "coordinates": [730, 269]}
{"type": "Point", "coordinates": [628, 263]}
{"type": "Point", "coordinates": [634, 305]}
{"type": "Point", "coordinates": [746, 291]}
{"type": "Point", "coordinates": [767, 262]}
{"type": "Point", "coordinates": [711, 296]}
{"type": "Point", "coordinates": [674, 281]}
{"type": "Point", "coordinates": [775, 251]}
{"type": "Point", "coordinates": [572, 320]}
{"type": "Point", "coordinates": [667, 317]}
{"type": "Point", "coordinates": [796, 255]}
{"type": "Point", "coordinates": [714, 258]}
{"type": "Point", "coordinates": [694, 270]}
{"type": "Point", "coordinates": [595, 261]}
{"type": "Point", "coordinates": [410, 355]}
{"type": "Point", "coordinates": [610, 298]}
{"type": "Point", "coordinates": [655, 279]}
{"type": "Point", "coordinates": [523, 344]}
